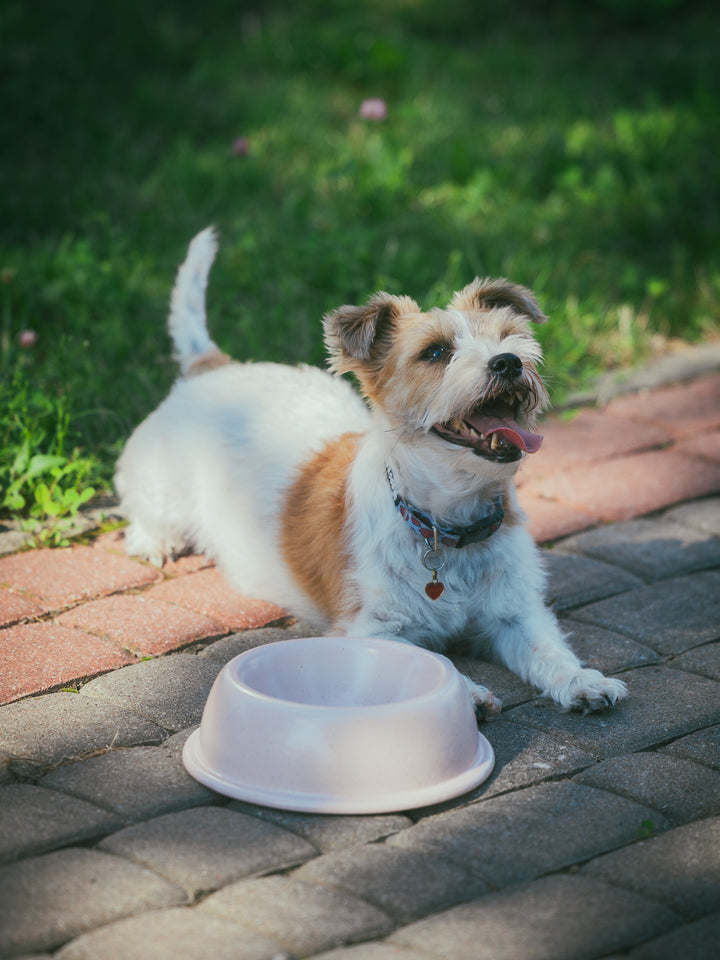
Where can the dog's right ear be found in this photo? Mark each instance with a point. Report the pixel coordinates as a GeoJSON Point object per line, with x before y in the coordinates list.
{"type": "Point", "coordinates": [487, 294]}
{"type": "Point", "coordinates": [356, 337]}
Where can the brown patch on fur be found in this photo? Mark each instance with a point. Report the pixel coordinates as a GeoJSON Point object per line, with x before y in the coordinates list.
{"type": "Point", "coordinates": [401, 381]}
{"type": "Point", "coordinates": [208, 361]}
{"type": "Point", "coordinates": [359, 336]}
{"type": "Point", "coordinates": [313, 524]}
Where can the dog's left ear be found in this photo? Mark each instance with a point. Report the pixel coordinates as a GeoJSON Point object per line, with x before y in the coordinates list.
{"type": "Point", "coordinates": [356, 337]}
{"type": "Point", "coordinates": [486, 294]}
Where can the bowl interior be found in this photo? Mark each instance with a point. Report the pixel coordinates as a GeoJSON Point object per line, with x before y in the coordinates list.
{"type": "Point", "coordinates": [333, 672]}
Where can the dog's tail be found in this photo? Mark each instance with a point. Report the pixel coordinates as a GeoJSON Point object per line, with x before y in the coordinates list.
{"type": "Point", "coordinates": [187, 323]}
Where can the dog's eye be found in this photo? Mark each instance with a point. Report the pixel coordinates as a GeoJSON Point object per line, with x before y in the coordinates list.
{"type": "Point", "coordinates": [436, 353]}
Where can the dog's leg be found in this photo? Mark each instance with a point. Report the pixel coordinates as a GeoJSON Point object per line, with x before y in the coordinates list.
{"type": "Point", "coordinates": [536, 650]}
{"type": "Point", "coordinates": [139, 542]}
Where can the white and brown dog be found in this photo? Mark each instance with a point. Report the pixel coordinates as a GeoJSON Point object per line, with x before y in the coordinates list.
{"type": "Point", "coordinates": [396, 518]}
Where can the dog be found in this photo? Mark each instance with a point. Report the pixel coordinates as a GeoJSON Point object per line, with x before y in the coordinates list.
{"type": "Point", "coordinates": [392, 516]}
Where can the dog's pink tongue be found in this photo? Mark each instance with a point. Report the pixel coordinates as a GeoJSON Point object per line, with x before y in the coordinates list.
{"type": "Point", "coordinates": [508, 430]}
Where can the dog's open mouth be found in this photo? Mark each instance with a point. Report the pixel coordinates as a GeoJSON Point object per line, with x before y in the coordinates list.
{"type": "Point", "coordinates": [490, 429]}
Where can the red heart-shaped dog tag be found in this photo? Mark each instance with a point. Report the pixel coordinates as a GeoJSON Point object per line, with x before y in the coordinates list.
{"type": "Point", "coordinates": [434, 589]}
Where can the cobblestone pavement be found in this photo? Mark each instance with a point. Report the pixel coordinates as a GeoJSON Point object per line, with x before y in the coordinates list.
{"type": "Point", "coordinates": [596, 836]}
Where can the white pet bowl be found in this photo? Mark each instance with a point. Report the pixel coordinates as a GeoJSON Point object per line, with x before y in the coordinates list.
{"type": "Point", "coordinates": [339, 725]}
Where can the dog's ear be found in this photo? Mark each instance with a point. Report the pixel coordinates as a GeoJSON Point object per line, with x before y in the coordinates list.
{"type": "Point", "coordinates": [357, 336]}
{"type": "Point", "coordinates": [486, 294]}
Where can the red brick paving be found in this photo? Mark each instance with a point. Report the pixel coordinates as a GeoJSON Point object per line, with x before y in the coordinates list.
{"type": "Point", "coordinates": [626, 487]}
{"type": "Point", "coordinates": [63, 577]}
{"type": "Point", "coordinates": [704, 446]}
{"type": "Point", "coordinates": [549, 519]}
{"type": "Point", "coordinates": [207, 592]}
{"type": "Point", "coordinates": [140, 624]}
{"type": "Point", "coordinates": [15, 607]}
{"type": "Point", "coordinates": [44, 656]}
{"type": "Point", "coordinates": [639, 454]}
{"type": "Point", "coordinates": [681, 409]}
{"type": "Point", "coordinates": [590, 435]}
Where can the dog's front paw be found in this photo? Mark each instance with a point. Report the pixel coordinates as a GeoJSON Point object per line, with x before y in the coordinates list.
{"type": "Point", "coordinates": [487, 705]}
{"type": "Point", "coordinates": [589, 691]}
{"type": "Point", "coordinates": [139, 543]}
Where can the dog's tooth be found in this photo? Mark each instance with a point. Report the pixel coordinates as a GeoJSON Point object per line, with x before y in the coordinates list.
{"type": "Point", "coordinates": [494, 441]}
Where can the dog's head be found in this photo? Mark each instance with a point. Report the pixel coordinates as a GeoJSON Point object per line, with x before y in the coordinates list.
{"type": "Point", "coordinates": [465, 377]}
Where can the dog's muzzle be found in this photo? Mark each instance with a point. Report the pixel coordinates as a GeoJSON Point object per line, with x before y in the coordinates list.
{"type": "Point", "coordinates": [490, 429]}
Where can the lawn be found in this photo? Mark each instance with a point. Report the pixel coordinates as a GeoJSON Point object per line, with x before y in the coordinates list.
{"type": "Point", "coordinates": [572, 146]}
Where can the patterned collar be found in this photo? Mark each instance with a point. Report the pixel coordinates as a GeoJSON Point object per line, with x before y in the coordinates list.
{"type": "Point", "coordinates": [425, 526]}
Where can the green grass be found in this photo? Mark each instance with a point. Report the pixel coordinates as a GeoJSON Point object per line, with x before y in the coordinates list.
{"type": "Point", "coordinates": [571, 146]}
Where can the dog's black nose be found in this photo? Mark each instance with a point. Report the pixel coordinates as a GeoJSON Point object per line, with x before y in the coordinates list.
{"type": "Point", "coordinates": [506, 365]}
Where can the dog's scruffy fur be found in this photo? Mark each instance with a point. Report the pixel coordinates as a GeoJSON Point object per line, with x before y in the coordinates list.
{"type": "Point", "coordinates": [279, 474]}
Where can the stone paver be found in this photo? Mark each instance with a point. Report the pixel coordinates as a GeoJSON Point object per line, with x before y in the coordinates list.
{"type": "Point", "coordinates": [302, 916]}
{"type": "Point", "coordinates": [556, 918]}
{"type": "Point", "coordinates": [703, 515]}
{"type": "Point", "coordinates": [205, 848]}
{"type": "Point", "coordinates": [680, 868]}
{"type": "Point", "coordinates": [406, 884]}
{"type": "Point", "coordinates": [140, 624]}
{"type": "Point", "coordinates": [606, 650]}
{"type": "Point", "coordinates": [371, 951]}
{"type": "Point", "coordinates": [48, 730]}
{"type": "Point", "coordinates": [176, 934]}
{"type": "Point", "coordinates": [34, 820]}
{"type": "Point", "coordinates": [652, 549]}
{"type": "Point", "coordinates": [45, 656]}
{"type": "Point", "coordinates": [574, 581]}
{"type": "Point", "coordinates": [693, 941]}
{"type": "Point", "coordinates": [6, 775]}
{"type": "Point", "coordinates": [170, 691]}
{"type": "Point", "coordinates": [703, 660]}
{"type": "Point", "coordinates": [670, 617]}
{"type": "Point", "coordinates": [12, 538]}
{"type": "Point", "coordinates": [679, 789]}
{"type": "Point", "coordinates": [663, 704]}
{"type": "Point", "coordinates": [328, 832]}
{"type": "Point", "coordinates": [503, 839]}
{"type": "Point", "coordinates": [134, 784]}
{"type": "Point", "coordinates": [702, 746]}
{"type": "Point", "coordinates": [224, 650]}
{"type": "Point", "coordinates": [47, 900]}
{"type": "Point", "coordinates": [524, 756]}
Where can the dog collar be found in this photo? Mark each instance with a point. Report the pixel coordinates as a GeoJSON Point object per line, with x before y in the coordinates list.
{"type": "Point", "coordinates": [424, 525]}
